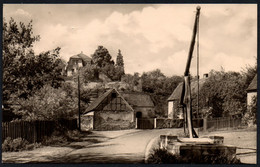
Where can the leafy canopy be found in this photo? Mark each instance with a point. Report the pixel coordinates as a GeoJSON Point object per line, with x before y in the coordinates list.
{"type": "Point", "coordinates": [23, 71]}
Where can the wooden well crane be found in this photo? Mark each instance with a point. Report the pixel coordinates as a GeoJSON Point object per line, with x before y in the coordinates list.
{"type": "Point", "coordinates": [185, 101]}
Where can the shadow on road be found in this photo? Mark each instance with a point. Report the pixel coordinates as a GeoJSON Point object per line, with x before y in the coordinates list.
{"type": "Point", "coordinates": [98, 159]}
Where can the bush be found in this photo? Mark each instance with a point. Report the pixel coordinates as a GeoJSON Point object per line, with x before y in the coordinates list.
{"type": "Point", "coordinates": [61, 138]}
{"type": "Point", "coordinates": [18, 144]}
{"type": "Point", "coordinates": [74, 135]}
{"type": "Point", "coordinates": [162, 156]}
{"type": "Point", "coordinates": [57, 137]}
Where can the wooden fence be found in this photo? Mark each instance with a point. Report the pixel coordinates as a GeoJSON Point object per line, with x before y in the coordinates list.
{"type": "Point", "coordinates": [145, 123]}
{"type": "Point", "coordinates": [34, 131]}
{"type": "Point", "coordinates": [209, 124]}
{"type": "Point", "coordinates": [221, 123]}
{"type": "Point", "coordinates": [176, 123]}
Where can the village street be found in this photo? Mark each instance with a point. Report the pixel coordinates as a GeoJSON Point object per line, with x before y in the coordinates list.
{"type": "Point", "coordinates": [126, 146]}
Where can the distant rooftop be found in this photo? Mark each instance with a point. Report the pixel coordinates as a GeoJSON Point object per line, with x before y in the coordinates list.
{"type": "Point", "coordinates": [176, 95]}
{"type": "Point", "coordinates": [82, 56]}
{"type": "Point", "coordinates": [253, 84]}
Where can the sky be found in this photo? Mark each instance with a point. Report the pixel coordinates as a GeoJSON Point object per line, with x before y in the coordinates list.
{"type": "Point", "coordinates": [150, 36]}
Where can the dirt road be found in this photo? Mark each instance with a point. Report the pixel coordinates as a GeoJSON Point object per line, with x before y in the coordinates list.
{"type": "Point", "coordinates": [127, 146]}
{"type": "Point", "coordinates": [99, 147]}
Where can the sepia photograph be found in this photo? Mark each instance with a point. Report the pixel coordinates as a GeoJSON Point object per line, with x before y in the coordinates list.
{"type": "Point", "coordinates": [129, 84]}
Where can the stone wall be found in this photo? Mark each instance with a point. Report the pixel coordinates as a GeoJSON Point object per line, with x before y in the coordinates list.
{"type": "Point", "coordinates": [113, 120]}
{"type": "Point", "coordinates": [86, 122]}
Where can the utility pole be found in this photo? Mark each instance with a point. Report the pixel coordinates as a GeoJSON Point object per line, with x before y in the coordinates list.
{"type": "Point", "coordinates": [198, 70]}
{"type": "Point", "coordinates": [79, 101]}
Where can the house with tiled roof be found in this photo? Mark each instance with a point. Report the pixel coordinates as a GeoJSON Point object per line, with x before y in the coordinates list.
{"type": "Point", "coordinates": [77, 61]}
{"type": "Point", "coordinates": [115, 110]}
{"type": "Point", "coordinates": [141, 103]}
{"type": "Point", "coordinates": [252, 90]}
{"type": "Point", "coordinates": [174, 108]}
{"type": "Point", "coordinates": [110, 111]}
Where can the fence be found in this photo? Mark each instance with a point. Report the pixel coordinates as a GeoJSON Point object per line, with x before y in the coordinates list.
{"type": "Point", "coordinates": [204, 124]}
{"type": "Point", "coordinates": [34, 131]}
{"type": "Point", "coordinates": [145, 123]}
{"type": "Point", "coordinates": [176, 123]}
{"type": "Point", "coordinates": [221, 123]}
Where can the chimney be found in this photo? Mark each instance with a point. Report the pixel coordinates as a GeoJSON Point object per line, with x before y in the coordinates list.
{"type": "Point", "coordinates": [205, 75]}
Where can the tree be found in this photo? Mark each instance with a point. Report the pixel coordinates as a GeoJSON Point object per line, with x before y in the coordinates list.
{"type": "Point", "coordinates": [101, 57]}
{"type": "Point", "coordinates": [102, 61]}
{"type": "Point", "coordinates": [23, 71]}
{"type": "Point", "coordinates": [160, 88]}
{"type": "Point", "coordinates": [120, 71]}
{"type": "Point", "coordinates": [249, 73]}
{"type": "Point", "coordinates": [47, 103]}
{"type": "Point", "coordinates": [87, 73]}
{"type": "Point", "coordinates": [225, 92]}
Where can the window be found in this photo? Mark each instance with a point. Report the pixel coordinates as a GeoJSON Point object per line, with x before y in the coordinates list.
{"type": "Point", "coordinates": [113, 95]}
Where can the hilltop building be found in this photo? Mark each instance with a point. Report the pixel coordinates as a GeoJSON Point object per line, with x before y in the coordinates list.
{"type": "Point", "coordinates": [77, 61]}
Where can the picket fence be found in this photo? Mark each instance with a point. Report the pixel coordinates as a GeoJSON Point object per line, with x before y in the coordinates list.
{"type": "Point", "coordinates": [206, 124]}
{"type": "Point", "coordinates": [221, 123]}
{"type": "Point", "coordinates": [34, 131]}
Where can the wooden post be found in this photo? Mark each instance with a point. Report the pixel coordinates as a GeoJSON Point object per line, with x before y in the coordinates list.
{"type": "Point", "coordinates": [136, 120]}
{"type": "Point", "coordinates": [205, 124]}
{"type": "Point", "coordinates": [154, 123]}
{"type": "Point", "coordinates": [79, 102]}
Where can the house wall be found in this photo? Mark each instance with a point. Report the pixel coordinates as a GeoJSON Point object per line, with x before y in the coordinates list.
{"type": "Point", "coordinates": [74, 65]}
{"type": "Point", "coordinates": [170, 109]}
{"type": "Point", "coordinates": [113, 120]}
{"type": "Point", "coordinates": [147, 112]}
{"type": "Point", "coordinates": [87, 121]}
{"type": "Point", "coordinates": [174, 111]}
{"type": "Point", "coordinates": [250, 96]}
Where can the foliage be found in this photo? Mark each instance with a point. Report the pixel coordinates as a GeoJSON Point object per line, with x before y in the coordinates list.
{"type": "Point", "coordinates": [162, 156]}
{"type": "Point", "coordinates": [160, 88]}
{"type": "Point", "coordinates": [63, 137]}
{"type": "Point", "coordinates": [56, 138]}
{"type": "Point", "coordinates": [23, 71]}
{"type": "Point", "coordinates": [18, 144]}
{"type": "Point", "coordinates": [103, 62]}
{"type": "Point", "coordinates": [249, 73]}
{"type": "Point", "coordinates": [225, 93]}
{"type": "Point", "coordinates": [48, 103]}
{"type": "Point", "coordinates": [87, 73]}
{"type": "Point", "coordinates": [109, 70]}
{"type": "Point", "coordinates": [101, 57]}
{"type": "Point", "coordinates": [120, 71]}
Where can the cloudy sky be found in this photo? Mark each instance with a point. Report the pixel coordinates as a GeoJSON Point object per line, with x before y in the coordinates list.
{"type": "Point", "coordinates": [149, 36]}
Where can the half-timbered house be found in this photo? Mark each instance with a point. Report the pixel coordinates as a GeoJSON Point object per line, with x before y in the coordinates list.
{"type": "Point", "coordinates": [110, 111]}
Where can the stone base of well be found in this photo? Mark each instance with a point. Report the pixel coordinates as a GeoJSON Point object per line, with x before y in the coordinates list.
{"type": "Point", "coordinates": [196, 147]}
